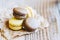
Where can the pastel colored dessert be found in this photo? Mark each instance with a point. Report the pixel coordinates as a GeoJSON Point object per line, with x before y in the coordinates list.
{"type": "Point", "coordinates": [31, 12]}
{"type": "Point", "coordinates": [19, 13]}
{"type": "Point", "coordinates": [15, 24]}
{"type": "Point", "coordinates": [31, 24]}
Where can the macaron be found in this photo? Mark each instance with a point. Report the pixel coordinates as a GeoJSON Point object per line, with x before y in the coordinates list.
{"type": "Point", "coordinates": [31, 24]}
{"type": "Point", "coordinates": [19, 13]}
{"type": "Point", "coordinates": [31, 12]}
{"type": "Point", "coordinates": [15, 24]}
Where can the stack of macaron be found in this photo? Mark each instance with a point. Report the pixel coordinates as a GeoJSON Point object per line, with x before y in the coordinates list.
{"type": "Point", "coordinates": [19, 14]}
{"type": "Point", "coordinates": [24, 18]}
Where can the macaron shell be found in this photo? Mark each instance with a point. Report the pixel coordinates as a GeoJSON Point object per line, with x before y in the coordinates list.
{"type": "Point", "coordinates": [33, 22]}
{"type": "Point", "coordinates": [20, 10]}
{"type": "Point", "coordinates": [15, 28]}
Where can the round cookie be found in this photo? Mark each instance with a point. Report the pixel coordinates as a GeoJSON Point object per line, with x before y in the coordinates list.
{"type": "Point", "coordinates": [20, 13]}
{"type": "Point", "coordinates": [31, 24]}
{"type": "Point", "coordinates": [15, 24]}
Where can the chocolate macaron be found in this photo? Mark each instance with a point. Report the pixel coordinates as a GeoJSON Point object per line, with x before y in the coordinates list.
{"type": "Point", "coordinates": [20, 13]}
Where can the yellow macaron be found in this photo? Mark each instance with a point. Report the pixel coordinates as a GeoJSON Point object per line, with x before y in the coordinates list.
{"type": "Point", "coordinates": [15, 24]}
{"type": "Point", "coordinates": [30, 12]}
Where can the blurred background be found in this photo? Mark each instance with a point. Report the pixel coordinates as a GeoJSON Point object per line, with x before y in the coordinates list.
{"type": "Point", "coordinates": [49, 9]}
